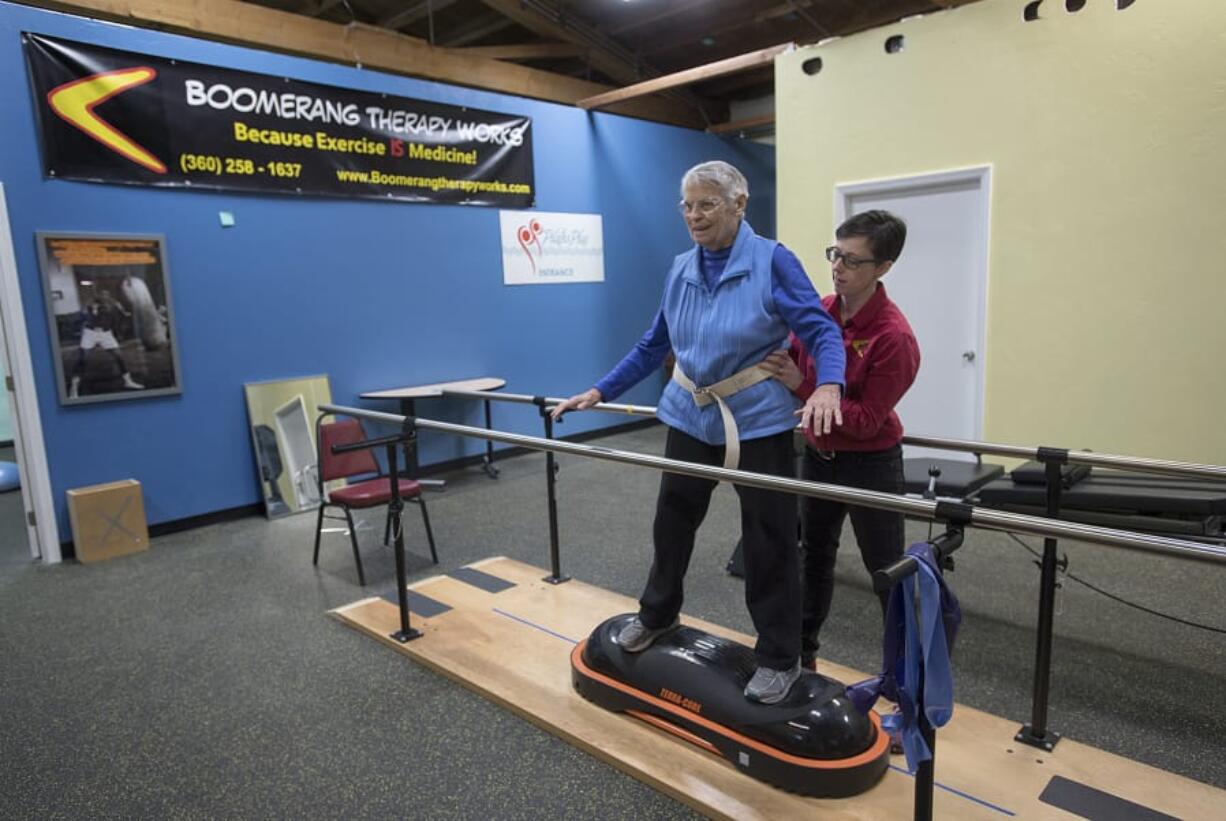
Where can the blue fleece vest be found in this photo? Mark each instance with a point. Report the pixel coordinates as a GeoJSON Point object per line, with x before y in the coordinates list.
{"type": "Point", "coordinates": [715, 334]}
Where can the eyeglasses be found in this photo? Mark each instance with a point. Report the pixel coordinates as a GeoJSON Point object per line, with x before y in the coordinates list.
{"type": "Point", "coordinates": [703, 206]}
{"type": "Point", "coordinates": [833, 254]}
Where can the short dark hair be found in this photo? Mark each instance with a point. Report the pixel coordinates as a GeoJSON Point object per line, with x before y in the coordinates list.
{"type": "Point", "coordinates": [886, 233]}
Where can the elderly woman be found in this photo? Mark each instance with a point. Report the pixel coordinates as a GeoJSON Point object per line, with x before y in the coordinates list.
{"type": "Point", "coordinates": [729, 302]}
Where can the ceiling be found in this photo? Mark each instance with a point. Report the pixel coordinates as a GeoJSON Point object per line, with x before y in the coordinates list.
{"type": "Point", "coordinates": [622, 42]}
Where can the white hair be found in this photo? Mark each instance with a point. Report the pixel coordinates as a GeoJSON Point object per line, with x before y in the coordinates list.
{"type": "Point", "coordinates": [719, 174]}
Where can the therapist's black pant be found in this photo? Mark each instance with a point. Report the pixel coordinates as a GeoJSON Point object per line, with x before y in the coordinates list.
{"type": "Point", "coordinates": [768, 530]}
{"type": "Point", "coordinates": [879, 533]}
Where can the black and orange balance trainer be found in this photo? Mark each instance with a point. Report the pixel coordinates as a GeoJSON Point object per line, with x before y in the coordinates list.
{"type": "Point", "coordinates": [692, 683]}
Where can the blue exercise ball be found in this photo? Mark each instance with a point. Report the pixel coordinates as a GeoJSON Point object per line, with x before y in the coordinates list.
{"type": "Point", "coordinates": [10, 479]}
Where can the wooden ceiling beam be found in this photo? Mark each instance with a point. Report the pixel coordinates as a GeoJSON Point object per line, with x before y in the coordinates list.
{"type": "Point", "coordinates": [527, 51]}
{"type": "Point", "coordinates": [670, 10]}
{"type": "Point", "coordinates": [262, 27]}
{"type": "Point", "coordinates": [733, 83]}
{"type": "Point", "coordinates": [687, 38]}
{"type": "Point", "coordinates": [871, 17]}
{"type": "Point", "coordinates": [317, 7]}
{"type": "Point", "coordinates": [732, 65]}
{"type": "Point", "coordinates": [603, 59]}
{"type": "Point", "coordinates": [604, 54]}
{"type": "Point", "coordinates": [476, 30]}
{"type": "Point", "coordinates": [863, 16]}
{"type": "Point", "coordinates": [800, 8]}
{"type": "Point", "coordinates": [750, 124]}
{"type": "Point", "coordinates": [416, 11]}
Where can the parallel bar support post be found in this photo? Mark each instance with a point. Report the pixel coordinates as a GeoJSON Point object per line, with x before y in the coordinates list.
{"type": "Point", "coordinates": [408, 409]}
{"type": "Point", "coordinates": [551, 470]}
{"type": "Point", "coordinates": [900, 572]}
{"type": "Point", "coordinates": [1037, 733]}
{"type": "Point", "coordinates": [925, 772]}
{"type": "Point", "coordinates": [490, 470]}
{"type": "Point", "coordinates": [406, 633]}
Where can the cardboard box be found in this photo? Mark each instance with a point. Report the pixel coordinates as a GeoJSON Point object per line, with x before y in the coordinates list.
{"type": "Point", "coordinates": [108, 520]}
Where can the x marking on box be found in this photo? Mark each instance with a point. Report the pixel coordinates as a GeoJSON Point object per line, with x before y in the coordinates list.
{"type": "Point", "coordinates": [114, 522]}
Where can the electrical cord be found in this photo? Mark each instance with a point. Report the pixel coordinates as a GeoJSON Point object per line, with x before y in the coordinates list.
{"type": "Point", "coordinates": [1122, 601]}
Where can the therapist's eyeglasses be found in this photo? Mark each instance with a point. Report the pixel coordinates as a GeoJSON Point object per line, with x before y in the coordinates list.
{"type": "Point", "coordinates": [705, 207]}
{"type": "Point", "coordinates": [833, 254]}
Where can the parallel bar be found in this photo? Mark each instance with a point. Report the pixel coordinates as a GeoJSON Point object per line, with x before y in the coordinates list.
{"type": "Point", "coordinates": [919, 508]}
{"type": "Point", "coordinates": [550, 401]}
{"type": "Point", "coordinates": [1076, 457]}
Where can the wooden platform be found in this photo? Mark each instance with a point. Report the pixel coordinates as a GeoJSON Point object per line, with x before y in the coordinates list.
{"type": "Point", "coordinates": [501, 631]}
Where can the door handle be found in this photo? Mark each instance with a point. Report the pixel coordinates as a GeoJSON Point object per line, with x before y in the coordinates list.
{"type": "Point", "coordinates": [969, 356]}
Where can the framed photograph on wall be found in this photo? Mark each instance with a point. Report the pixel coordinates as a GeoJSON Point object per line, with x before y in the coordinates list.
{"type": "Point", "coordinates": [110, 315]}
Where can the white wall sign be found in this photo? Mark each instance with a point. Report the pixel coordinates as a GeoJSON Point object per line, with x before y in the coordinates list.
{"type": "Point", "coordinates": [540, 248]}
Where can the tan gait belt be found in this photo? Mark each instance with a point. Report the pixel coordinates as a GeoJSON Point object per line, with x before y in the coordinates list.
{"type": "Point", "coordinates": [739, 381]}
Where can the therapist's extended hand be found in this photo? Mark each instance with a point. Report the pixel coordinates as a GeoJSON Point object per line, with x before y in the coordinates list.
{"type": "Point", "coordinates": [822, 409]}
{"type": "Point", "coordinates": [580, 401]}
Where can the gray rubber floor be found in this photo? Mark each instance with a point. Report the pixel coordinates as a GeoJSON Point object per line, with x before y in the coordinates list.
{"type": "Point", "coordinates": [203, 679]}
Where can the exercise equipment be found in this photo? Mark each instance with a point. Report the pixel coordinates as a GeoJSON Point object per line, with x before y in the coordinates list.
{"type": "Point", "coordinates": [1135, 501]}
{"type": "Point", "coordinates": [691, 683]}
{"type": "Point", "coordinates": [948, 477]}
{"type": "Point", "coordinates": [1063, 471]}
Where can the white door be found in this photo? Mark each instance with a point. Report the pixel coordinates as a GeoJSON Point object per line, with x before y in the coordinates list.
{"type": "Point", "coordinates": [42, 529]}
{"type": "Point", "coordinates": [940, 282]}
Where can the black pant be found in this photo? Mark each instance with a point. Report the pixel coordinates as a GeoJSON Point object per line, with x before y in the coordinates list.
{"type": "Point", "coordinates": [879, 533]}
{"type": "Point", "coordinates": [768, 529]}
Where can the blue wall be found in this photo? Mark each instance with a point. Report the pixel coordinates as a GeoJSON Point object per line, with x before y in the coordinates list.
{"type": "Point", "coordinates": [375, 295]}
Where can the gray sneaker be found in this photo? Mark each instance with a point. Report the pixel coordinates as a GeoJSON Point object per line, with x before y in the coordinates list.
{"type": "Point", "coordinates": [770, 686]}
{"type": "Point", "coordinates": [636, 637]}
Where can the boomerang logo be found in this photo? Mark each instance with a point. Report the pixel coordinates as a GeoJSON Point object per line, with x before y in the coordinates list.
{"type": "Point", "coordinates": [75, 102]}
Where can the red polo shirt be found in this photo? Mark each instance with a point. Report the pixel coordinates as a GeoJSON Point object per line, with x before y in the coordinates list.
{"type": "Point", "coordinates": [882, 360]}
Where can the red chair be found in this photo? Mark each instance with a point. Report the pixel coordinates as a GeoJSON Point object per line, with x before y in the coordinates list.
{"type": "Point", "coordinates": [368, 493]}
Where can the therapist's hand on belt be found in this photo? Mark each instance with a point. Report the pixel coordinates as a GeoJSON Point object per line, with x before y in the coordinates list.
{"type": "Point", "coordinates": [821, 410]}
{"type": "Point", "coordinates": [780, 366]}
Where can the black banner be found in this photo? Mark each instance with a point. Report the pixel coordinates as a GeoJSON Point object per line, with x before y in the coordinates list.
{"type": "Point", "coordinates": [119, 117]}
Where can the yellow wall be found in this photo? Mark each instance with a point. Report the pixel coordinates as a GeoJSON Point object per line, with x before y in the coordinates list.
{"type": "Point", "coordinates": [1106, 131]}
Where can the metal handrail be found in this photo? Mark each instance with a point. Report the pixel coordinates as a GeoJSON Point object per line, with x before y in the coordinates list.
{"type": "Point", "coordinates": [1075, 457]}
{"type": "Point", "coordinates": [988, 519]}
{"type": "Point", "coordinates": [550, 401]}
